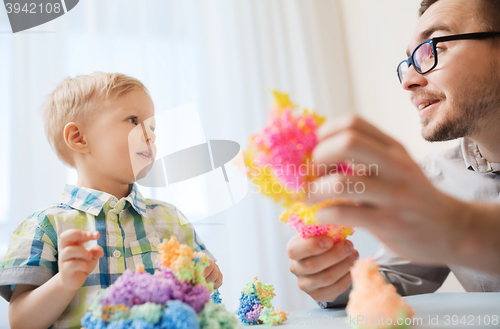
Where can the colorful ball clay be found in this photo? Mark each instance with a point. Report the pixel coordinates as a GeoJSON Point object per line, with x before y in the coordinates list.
{"type": "Point", "coordinates": [302, 218]}
{"type": "Point", "coordinates": [279, 162]}
{"type": "Point", "coordinates": [279, 157]}
{"type": "Point", "coordinates": [215, 316]}
{"type": "Point", "coordinates": [178, 315]}
{"type": "Point", "coordinates": [373, 303]}
{"type": "Point", "coordinates": [173, 297]}
{"type": "Point", "coordinates": [255, 305]}
{"type": "Point", "coordinates": [272, 317]}
{"type": "Point", "coordinates": [216, 297]}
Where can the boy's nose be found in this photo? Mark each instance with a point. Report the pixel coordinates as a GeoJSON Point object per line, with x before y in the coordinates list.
{"type": "Point", "coordinates": [149, 134]}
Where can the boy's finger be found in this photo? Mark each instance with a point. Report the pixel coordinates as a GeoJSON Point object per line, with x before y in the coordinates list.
{"type": "Point", "coordinates": [74, 252]}
{"type": "Point", "coordinates": [76, 265]}
{"type": "Point", "coordinates": [209, 269]}
{"type": "Point", "coordinates": [74, 236]}
{"type": "Point", "coordinates": [218, 282]}
{"type": "Point", "coordinates": [97, 252]}
{"type": "Point", "coordinates": [212, 277]}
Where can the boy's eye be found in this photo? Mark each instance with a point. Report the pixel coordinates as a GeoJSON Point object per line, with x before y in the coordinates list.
{"type": "Point", "coordinates": [133, 120]}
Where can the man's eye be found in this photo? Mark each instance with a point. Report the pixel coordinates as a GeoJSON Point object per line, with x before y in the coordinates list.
{"type": "Point", "coordinates": [152, 129]}
{"type": "Point", "coordinates": [439, 50]}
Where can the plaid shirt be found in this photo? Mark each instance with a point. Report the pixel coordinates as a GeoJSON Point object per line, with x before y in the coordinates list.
{"type": "Point", "coordinates": [130, 231]}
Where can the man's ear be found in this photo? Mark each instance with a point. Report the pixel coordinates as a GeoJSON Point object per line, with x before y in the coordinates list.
{"type": "Point", "coordinates": [74, 138]}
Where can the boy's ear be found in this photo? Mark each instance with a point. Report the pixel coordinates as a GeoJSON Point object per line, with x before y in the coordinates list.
{"type": "Point", "coordinates": [74, 138]}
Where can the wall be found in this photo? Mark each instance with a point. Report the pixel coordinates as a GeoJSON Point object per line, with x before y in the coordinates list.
{"type": "Point", "coordinates": [377, 34]}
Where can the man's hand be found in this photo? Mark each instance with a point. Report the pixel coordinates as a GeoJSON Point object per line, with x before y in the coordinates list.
{"type": "Point", "coordinates": [213, 274]}
{"type": "Point", "coordinates": [75, 261]}
{"type": "Point", "coordinates": [395, 200]}
{"type": "Point", "coordinates": [322, 268]}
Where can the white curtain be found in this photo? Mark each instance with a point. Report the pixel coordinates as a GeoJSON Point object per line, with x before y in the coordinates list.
{"type": "Point", "coordinates": [223, 55]}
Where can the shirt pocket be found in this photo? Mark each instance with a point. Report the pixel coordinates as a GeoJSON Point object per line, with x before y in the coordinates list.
{"type": "Point", "coordinates": [145, 252]}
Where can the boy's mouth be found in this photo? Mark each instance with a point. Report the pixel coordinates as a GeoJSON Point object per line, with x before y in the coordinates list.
{"type": "Point", "coordinates": [146, 155]}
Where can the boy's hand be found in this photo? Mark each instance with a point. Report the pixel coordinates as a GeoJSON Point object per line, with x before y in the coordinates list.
{"type": "Point", "coordinates": [75, 261]}
{"type": "Point", "coordinates": [213, 274]}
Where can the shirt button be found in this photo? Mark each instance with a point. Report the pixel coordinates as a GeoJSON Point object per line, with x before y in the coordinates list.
{"type": "Point", "coordinates": [112, 204]}
{"type": "Point", "coordinates": [156, 244]}
{"type": "Point", "coordinates": [117, 253]}
{"type": "Point", "coordinates": [112, 216]}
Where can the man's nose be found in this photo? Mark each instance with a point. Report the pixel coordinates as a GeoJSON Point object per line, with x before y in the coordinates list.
{"type": "Point", "coordinates": [413, 80]}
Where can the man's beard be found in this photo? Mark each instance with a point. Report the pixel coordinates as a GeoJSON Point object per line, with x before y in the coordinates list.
{"type": "Point", "coordinates": [474, 106]}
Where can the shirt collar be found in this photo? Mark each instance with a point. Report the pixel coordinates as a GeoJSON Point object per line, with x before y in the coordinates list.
{"type": "Point", "coordinates": [93, 201]}
{"type": "Point", "coordinates": [474, 160]}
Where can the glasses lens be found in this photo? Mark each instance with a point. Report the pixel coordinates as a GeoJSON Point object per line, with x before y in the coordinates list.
{"type": "Point", "coordinates": [423, 59]}
{"type": "Point", "coordinates": [402, 69]}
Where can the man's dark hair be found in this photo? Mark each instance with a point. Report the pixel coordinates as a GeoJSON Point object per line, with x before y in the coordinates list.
{"type": "Point", "coordinates": [487, 14]}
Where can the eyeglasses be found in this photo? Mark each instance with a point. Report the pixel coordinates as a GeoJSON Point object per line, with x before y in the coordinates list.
{"type": "Point", "coordinates": [425, 57]}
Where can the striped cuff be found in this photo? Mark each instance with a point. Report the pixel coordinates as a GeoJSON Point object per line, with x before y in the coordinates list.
{"type": "Point", "coordinates": [11, 276]}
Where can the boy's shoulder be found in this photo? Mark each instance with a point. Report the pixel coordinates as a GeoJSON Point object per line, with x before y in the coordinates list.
{"type": "Point", "coordinates": [47, 219]}
{"type": "Point", "coordinates": [46, 213]}
{"type": "Point", "coordinates": [159, 203]}
{"type": "Point", "coordinates": [54, 210]}
{"type": "Point", "coordinates": [156, 207]}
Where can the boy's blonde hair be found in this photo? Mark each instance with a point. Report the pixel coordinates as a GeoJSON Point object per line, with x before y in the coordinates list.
{"type": "Point", "coordinates": [77, 100]}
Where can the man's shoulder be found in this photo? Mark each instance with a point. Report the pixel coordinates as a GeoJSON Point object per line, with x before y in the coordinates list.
{"type": "Point", "coordinates": [443, 159]}
{"type": "Point", "coordinates": [451, 152]}
{"type": "Point", "coordinates": [449, 171]}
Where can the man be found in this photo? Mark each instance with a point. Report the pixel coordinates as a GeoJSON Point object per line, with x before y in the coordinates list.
{"type": "Point", "coordinates": [447, 218]}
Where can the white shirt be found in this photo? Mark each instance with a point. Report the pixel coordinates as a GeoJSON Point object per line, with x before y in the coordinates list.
{"type": "Point", "coordinates": [463, 173]}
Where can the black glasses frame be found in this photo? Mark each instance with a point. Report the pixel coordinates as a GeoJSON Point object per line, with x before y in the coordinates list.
{"type": "Point", "coordinates": [434, 41]}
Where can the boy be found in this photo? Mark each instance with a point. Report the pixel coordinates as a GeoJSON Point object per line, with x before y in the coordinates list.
{"type": "Point", "coordinates": [60, 257]}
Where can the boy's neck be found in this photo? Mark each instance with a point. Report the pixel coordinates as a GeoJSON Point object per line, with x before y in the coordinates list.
{"type": "Point", "coordinates": [118, 190]}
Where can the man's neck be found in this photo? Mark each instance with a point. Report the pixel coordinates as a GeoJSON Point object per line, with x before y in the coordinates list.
{"type": "Point", "coordinates": [490, 149]}
{"type": "Point", "coordinates": [487, 138]}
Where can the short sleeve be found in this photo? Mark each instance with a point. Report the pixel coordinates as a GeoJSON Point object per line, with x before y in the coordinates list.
{"type": "Point", "coordinates": [31, 256]}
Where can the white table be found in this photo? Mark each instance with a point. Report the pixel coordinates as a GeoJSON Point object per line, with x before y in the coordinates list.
{"type": "Point", "coordinates": [434, 311]}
